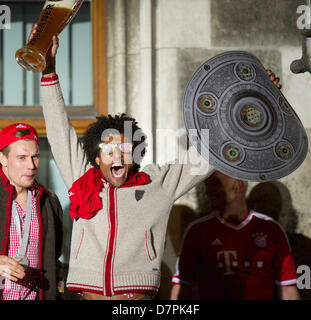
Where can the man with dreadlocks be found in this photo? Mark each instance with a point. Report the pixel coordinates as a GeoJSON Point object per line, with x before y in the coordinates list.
{"type": "Point", "coordinates": [119, 213]}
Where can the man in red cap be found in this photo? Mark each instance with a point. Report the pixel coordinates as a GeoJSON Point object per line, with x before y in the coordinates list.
{"type": "Point", "coordinates": [30, 220]}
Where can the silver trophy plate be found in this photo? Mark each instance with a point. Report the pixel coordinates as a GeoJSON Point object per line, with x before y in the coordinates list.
{"type": "Point", "coordinates": [253, 132]}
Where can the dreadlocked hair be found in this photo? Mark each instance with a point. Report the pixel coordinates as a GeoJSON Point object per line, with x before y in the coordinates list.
{"type": "Point", "coordinates": [94, 136]}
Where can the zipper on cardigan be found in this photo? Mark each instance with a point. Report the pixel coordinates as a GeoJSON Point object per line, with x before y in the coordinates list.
{"type": "Point", "coordinates": [111, 241]}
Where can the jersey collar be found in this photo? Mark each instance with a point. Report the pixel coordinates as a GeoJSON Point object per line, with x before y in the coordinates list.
{"type": "Point", "coordinates": [239, 226]}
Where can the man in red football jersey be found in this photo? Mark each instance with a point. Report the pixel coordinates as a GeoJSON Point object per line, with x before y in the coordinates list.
{"type": "Point", "coordinates": [234, 253]}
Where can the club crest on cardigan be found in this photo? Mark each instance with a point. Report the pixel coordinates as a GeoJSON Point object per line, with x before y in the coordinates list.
{"type": "Point", "coordinates": [139, 194]}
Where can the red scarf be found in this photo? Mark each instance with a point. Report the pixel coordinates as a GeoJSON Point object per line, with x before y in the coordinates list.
{"type": "Point", "coordinates": [84, 193]}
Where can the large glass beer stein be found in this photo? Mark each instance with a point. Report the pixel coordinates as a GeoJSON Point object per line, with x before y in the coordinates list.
{"type": "Point", "coordinates": [55, 15]}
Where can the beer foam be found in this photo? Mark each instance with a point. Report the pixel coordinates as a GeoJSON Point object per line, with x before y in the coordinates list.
{"type": "Point", "coordinates": [61, 3]}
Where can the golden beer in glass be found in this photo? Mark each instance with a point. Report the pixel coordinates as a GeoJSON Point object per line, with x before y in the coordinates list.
{"type": "Point", "coordinates": [55, 15]}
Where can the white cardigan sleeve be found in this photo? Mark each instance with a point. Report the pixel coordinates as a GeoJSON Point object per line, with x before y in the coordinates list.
{"type": "Point", "coordinates": [67, 150]}
{"type": "Point", "coordinates": [181, 176]}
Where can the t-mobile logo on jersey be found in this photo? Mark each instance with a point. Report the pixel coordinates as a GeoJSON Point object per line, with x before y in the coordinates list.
{"type": "Point", "coordinates": [227, 259]}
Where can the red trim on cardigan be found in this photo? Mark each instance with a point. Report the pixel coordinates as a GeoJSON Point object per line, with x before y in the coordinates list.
{"type": "Point", "coordinates": [152, 292]}
{"type": "Point", "coordinates": [72, 287]}
{"type": "Point", "coordinates": [108, 264]}
{"type": "Point", "coordinates": [100, 292]}
{"type": "Point", "coordinates": [107, 246]}
{"type": "Point", "coordinates": [97, 287]}
{"type": "Point", "coordinates": [140, 286]}
{"type": "Point", "coordinates": [116, 234]}
{"type": "Point", "coordinates": [46, 80]}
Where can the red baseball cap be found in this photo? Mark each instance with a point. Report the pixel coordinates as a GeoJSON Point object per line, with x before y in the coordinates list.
{"type": "Point", "coordinates": [7, 134]}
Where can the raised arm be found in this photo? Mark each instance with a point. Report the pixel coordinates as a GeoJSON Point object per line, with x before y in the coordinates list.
{"type": "Point", "coordinates": [66, 148]}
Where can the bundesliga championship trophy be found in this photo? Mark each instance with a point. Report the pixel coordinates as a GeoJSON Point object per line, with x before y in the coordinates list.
{"type": "Point", "coordinates": [55, 15]}
{"type": "Point", "coordinates": [240, 121]}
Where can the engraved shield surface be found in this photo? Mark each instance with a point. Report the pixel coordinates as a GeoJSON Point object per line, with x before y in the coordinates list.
{"type": "Point", "coordinates": [254, 133]}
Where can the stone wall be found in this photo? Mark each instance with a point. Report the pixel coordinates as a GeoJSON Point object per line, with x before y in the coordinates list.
{"type": "Point", "coordinates": [154, 47]}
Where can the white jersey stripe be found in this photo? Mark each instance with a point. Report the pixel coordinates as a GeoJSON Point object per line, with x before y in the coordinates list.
{"type": "Point", "coordinates": [286, 283]}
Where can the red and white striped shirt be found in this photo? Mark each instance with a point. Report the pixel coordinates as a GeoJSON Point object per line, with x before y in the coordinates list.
{"type": "Point", "coordinates": [27, 288]}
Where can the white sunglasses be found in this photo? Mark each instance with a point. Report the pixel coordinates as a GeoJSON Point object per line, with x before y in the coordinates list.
{"type": "Point", "coordinates": [108, 148]}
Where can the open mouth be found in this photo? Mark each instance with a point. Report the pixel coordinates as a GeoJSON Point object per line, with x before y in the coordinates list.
{"type": "Point", "coordinates": [117, 171]}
